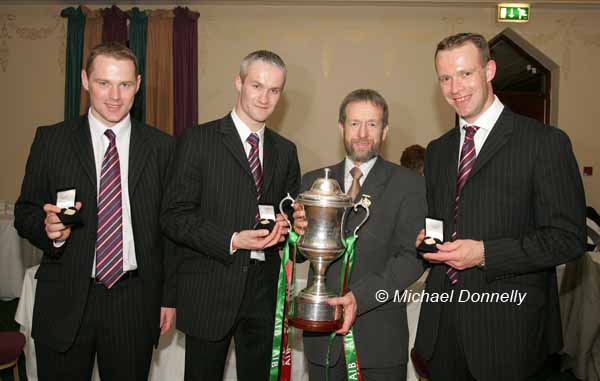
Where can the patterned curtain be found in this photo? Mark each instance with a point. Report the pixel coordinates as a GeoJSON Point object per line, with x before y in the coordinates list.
{"type": "Point", "coordinates": [166, 44]}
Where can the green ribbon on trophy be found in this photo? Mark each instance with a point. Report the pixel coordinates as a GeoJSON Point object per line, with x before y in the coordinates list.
{"type": "Point", "coordinates": [325, 206]}
{"type": "Point", "coordinates": [280, 309]}
{"type": "Point", "coordinates": [352, 364]}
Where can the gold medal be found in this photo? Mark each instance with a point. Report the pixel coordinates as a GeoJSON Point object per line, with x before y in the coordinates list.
{"type": "Point", "coordinates": [430, 241]}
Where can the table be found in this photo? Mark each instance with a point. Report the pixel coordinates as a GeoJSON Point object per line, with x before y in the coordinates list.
{"type": "Point", "coordinates": [169, 359]}
{"type": "Point", "coordinates": [16, 255]}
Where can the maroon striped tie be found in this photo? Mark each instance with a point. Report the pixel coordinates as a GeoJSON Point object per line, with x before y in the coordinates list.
{"type": "Point", "coordinates": [255, 167]}
{"type": "Point", "coordinates": [467, 160]}
{"type": "Point", "coordinates": [109, 238]}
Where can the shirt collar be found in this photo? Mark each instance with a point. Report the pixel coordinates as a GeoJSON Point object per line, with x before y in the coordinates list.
{"type": "Point", "coordinates": [488, 118]}
{"type": "Point", "coordinates": [243, 130]}
{"type": "Point", "coordinates": [98, 128]}
{"type": "Point", "coordinates": [365, 167]}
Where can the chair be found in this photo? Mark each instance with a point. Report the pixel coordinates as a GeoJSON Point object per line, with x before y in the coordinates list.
{"type": "Point", "coordinates": [11, 347]}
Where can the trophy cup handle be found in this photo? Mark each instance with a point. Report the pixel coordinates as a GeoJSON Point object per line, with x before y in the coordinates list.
{"type": "Point", "coordinates": [365, 202]}
{"type": "Point", "coordinates": [343, 223]}
{"type": "Point", "coordinates": [286, 198]}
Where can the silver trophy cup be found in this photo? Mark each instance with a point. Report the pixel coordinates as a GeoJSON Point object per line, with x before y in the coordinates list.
{"type": "Point", "coordinates": [326, 208]}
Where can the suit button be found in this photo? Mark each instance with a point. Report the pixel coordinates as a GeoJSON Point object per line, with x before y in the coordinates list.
{"type": "Point", "coordinates": [244, 269]}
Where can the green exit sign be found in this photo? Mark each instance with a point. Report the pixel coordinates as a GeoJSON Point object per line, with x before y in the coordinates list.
{"type": "Point", "coordinates": [512, 12]}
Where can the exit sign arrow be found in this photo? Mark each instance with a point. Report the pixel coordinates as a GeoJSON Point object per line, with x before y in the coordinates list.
{"type": "Point", "coordinates": [514, 12]}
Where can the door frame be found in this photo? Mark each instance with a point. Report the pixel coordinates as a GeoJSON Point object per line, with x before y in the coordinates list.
{"type": "Point", "coordinates": [550, 66]}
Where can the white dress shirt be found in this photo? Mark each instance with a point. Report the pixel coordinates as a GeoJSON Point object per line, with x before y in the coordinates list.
{"type": "Point", "coordinates": [365, 168]}
{"type": "Point", "coordinates": [100, 143]}
{"type": "Point", "coordinates": [244, 131]}
{"type": "Point", "coordinates": [485, 122]}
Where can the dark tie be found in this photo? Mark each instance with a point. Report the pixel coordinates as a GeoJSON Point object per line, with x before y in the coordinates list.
{"type": "Point", "coordinates": [109, 237]}
{"type": "Point", "coordinates": [355, 187]}
{"type": "Point", "coordinates": [255, 168]}
{"type": "Point", "coordinates": [467, 160]}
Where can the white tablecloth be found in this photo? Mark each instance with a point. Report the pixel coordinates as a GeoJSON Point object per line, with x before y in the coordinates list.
{"type": "Point", "coordinates": [169, 359]}
{"type": "Point", "coordinates": [16, 255]}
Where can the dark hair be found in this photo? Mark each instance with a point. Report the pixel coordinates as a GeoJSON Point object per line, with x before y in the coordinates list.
{"type": "Point", "coordinates": [460, 39]}
{"type": "Point", "coordinates": [413, 157]}
{"type": "Point", "coordinates": [112, 49]}
{"type": "Point", "coordinates": [364, 95]}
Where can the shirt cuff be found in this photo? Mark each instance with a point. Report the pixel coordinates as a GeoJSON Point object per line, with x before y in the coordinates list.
{"type": "Point", "coordinates": [231, 251]}
{"type": "Point", "coordinates": [58, 243]}
{"type": "Point", "coordinates": [481, 264]}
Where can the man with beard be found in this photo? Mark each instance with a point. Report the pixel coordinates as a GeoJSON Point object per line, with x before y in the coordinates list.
{"type": "Point", "coordinates": [385, 254]}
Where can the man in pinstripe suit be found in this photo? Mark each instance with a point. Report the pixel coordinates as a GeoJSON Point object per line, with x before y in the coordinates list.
{"type": "Point", "coordinates": [223, 170]}
{"type": "Point", "coordinates": [88, 305]}
{"type": "Point", "coordinates": [513, 208]}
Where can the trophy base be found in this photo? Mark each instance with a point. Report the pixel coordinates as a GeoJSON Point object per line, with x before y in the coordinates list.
{"type": "Point", "coordinates": [314, 315]}
{"type": "Point", "coordinates": [315, 326]}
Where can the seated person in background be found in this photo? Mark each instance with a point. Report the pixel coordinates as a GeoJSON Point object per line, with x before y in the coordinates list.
{"type": "Point", "coordinates": [413, 158]}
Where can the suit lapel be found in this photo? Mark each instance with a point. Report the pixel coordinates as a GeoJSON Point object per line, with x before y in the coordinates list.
{"type": "Point", "coordinates": [82, 143]}
{"type": "Point", "coordinates": [337, 172]}
{"type": "Point", "coordinates": [375, 181]}
{"type": "Point", "coordinates": [449, 166]}
{"type": "Point", "coordinates": [451, 157]}
{"type": "Point", "coordinates": [498, 137]}
{"type": "Point", "coordinates": [373, 186]}
{"type": "Point", "coordinates": [269, 160]}
{"type": "Point", "coordinates": [138, 152]}
{"type": "Point", "coordinates": [233, 143]}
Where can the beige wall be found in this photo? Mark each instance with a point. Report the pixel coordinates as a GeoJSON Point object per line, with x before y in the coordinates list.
{"type": "Point", "coordinates": [330, 50]}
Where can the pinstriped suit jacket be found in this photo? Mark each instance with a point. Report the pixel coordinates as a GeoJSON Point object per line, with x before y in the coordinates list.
{"type": "Point", "coordinates": [524, 198]}
{"type": "Point", "coordinates": [212, 195]}
{"type": "Point", "coordinates": [62, 157]}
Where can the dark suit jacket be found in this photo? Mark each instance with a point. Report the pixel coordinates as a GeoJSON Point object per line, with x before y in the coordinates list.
{"type": "Point", "coordinates": [212, 195]}
{"type": "Point", "coordinates": [62, 157]}
{"type": "Point", "coordinates": [524, 198]}
{"type": "Point", "coordinates": [385, 259]}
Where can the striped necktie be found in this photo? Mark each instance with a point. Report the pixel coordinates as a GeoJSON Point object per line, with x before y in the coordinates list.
{"type": "Point", "coordinates": [109, 237]}
{"type": "Point", "coordinates": [467, 160]}
{"type": "Point", "coordinates": [255, 167]}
